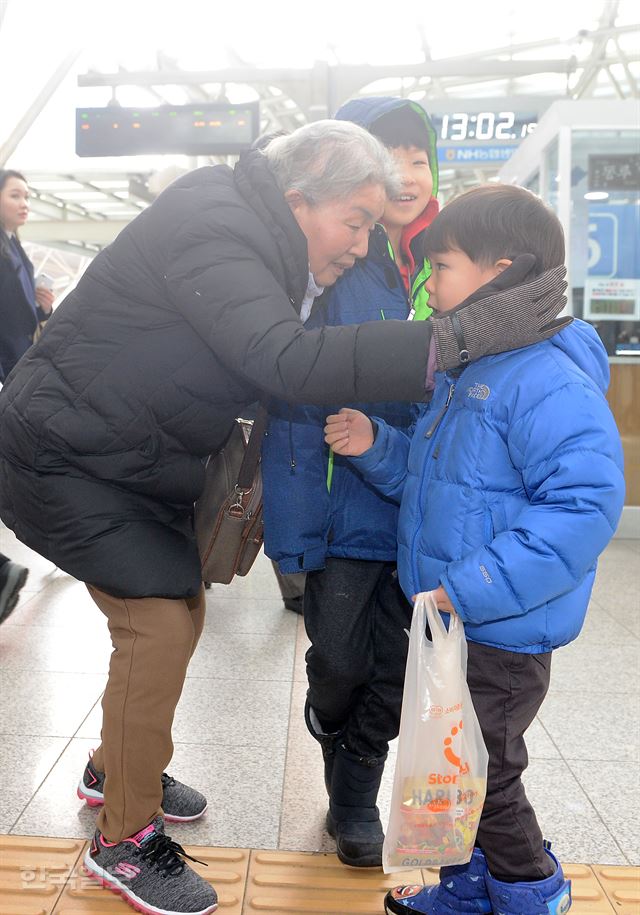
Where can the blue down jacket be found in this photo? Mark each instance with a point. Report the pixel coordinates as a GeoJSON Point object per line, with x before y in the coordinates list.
{"type": "Point", "coordinates": [305, 522]}
{"type": "Point", "coordinates": [514, 493]}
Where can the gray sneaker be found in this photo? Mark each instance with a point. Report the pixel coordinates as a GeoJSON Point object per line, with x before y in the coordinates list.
{"type": "Point", "coordinates": [180, 804]}
{"type": "Point", "coordinates": [149, 871]}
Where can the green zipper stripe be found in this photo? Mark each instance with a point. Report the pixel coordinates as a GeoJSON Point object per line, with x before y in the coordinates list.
{"type": "Point", "coordinates": [330, 469]}
{"type": "Point", "coordinates": [419, 294]}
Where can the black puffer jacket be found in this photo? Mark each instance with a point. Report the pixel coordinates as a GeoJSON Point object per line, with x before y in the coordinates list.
{"type": "Point", "coordinates": [175, 327]}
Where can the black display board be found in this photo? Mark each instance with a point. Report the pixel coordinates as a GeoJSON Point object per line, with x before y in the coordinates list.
{"type": "Point", "coordinates": [192, 130]}
{"type": "Point", "coordinates": [620, 172]}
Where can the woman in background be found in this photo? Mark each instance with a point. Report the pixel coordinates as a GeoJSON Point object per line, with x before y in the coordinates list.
{"type": "Point", "coordinates": [22, 307]}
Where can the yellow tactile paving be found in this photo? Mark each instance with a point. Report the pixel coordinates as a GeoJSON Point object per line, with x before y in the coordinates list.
{"type": "Point", "coordinates": [226, 869]}
{"type": "Point", "coordinates": [622, 886]}
{"type": "Point", "coordinates": [296, 883]}
{"type": "Point", "coordinates": [46, 877]}
{"type": "Point", "coordinates": [34, 872]}
{"type": "Point", "coordinates": [587, 894]}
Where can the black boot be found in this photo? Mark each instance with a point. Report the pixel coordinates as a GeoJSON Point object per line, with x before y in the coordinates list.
{"type": "Point", "coordinates": [353, 818]}
{"type": "Point", "coordinates": [328, 742]}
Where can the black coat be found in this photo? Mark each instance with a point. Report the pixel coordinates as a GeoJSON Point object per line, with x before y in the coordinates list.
{"type": "Point", "coordinates": [173, 329]}
{"type": "Point", "coordinates": [18, 316]}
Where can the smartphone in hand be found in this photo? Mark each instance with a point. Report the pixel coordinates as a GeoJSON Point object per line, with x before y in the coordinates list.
{"type": "Point", "coordinates": [44, 281]}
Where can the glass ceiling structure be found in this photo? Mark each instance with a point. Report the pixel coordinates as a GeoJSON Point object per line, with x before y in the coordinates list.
{"type": "Point", "coordinates": [56, 56]}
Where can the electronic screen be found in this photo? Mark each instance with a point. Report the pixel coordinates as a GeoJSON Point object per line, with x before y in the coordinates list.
{"type": "Point", "coordinates": [620, 172]}
{"type": "Point", "coordinates": [192, 130]}
{"type": "Point", "coordinates": [495, 126]}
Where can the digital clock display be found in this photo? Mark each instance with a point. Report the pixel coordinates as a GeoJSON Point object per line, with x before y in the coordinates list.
{"type": "Point", "coordinates": [501, 126]}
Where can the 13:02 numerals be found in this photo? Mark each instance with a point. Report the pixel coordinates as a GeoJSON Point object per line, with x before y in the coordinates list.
{"type": "Point", "coordinates": [485, 125]}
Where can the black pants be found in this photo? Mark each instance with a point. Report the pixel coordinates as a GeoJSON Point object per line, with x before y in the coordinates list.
{"type": "Point", "coordinates": [507, 689]}
{"type": "Point", "coordinates": [3, 559]}
{"type": "Point", "coordinates": [355, 615]}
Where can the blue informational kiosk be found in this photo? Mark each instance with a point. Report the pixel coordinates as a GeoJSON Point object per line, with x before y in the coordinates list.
{"type": "Point", "coordinates": [584, 160]}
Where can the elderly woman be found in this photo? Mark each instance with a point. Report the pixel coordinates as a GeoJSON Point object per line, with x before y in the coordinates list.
{"type": "Point", "coordinates": [190, 315]}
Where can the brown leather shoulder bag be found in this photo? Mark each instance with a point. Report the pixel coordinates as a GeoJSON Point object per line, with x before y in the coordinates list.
{"type": "Point", "coordinates": [228, 515]}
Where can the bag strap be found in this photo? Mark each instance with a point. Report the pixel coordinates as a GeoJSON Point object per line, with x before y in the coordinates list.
{"type": "Point", "coordinates": [442, 637]}
{"type": "Point", "coordinates": [251, 457]}
{"type": "Point", "coordinates": [439, 632]}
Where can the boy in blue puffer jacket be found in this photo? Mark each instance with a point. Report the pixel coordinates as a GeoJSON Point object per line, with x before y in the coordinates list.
{"type": "Point", "coordinates": [321, 518]}
{"type": "Point", "coordinates": [511, 485]}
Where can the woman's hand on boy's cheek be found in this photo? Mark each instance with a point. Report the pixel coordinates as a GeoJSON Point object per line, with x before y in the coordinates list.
{"type": "Point", "coordinates": [349, 432]}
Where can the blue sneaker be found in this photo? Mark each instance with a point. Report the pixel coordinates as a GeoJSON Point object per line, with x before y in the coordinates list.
{"type": "Point", "coordinates": [461, 890]}
{"type": "Point", "coordinates": [551, 896]}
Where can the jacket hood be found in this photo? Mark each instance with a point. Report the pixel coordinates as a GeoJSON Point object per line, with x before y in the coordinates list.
{"type": "Point", "coordinates": [365, 111]}
{"type": "Point", "coordinates": [581, 343]}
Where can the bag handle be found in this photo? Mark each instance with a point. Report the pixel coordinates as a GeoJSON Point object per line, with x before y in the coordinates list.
{"type": "Point", "coordinates": [441, 637]}
{"type": "Point", "coordinates": [249, 464]}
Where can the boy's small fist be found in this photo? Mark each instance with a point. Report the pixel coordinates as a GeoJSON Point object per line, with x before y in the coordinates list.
{"type": "Point", "coordinates": [349, 432]}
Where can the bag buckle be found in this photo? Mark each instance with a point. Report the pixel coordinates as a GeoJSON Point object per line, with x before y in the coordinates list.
{"type": "Point", "coordinates": [237, 507]}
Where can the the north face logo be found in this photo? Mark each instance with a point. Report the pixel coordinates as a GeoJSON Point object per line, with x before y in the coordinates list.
{"type": "Point", "coordinates": [479, 391]}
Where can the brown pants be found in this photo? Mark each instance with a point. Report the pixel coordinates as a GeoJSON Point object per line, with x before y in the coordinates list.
{"type": "Point", "coordinates": [153, 639]}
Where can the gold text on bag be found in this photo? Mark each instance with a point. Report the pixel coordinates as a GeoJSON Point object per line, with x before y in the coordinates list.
{"type": "Point", "coordinates": [228, 515]}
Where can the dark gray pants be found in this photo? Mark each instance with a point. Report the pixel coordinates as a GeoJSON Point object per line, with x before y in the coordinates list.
{"type": "Point", "coordinates": [507, 689]}
{"type": "Point", "coordinates": [290, 585]}
{"type": "Point", "coordinates": [355, 615]}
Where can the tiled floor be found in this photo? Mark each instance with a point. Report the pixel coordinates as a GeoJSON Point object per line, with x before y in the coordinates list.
{"type": "Point", "coordinates": [239, 735]}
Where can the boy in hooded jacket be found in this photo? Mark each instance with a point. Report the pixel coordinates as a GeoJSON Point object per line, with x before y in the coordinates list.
{"type": "Point", "coordinates": [320, 517]}
{"type": "Point", "coordinates": [511, 485]}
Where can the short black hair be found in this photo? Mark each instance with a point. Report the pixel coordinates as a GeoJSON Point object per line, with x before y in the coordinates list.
{"type": "Point", "coordinates": [5, 174]}
{"type": "Point", "coordinates": [402, 127]}
{"type": "Point", "coordinates": [495, 221]}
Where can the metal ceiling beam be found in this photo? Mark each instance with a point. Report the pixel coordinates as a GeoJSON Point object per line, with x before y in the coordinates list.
{"type": "Point", "coordinates": [4, 6]}
{"type": "Point", "coordinates": [86, 231]}
{"type": "Point", "coordinates": [364, 73]}
{"type": "Point", "coordinates": [48, 203]}
{"type": "Point", "coordinates": [320, 90]}
{"type": "Point", "coordinates": [614, 82]}
{"type": "Point", "coordinates": [78, 248]}
{"type": "Point", "coordinates": [458, 83]}
{"type": "Point", "coordinates": [606, 32]}
{"type": "Point", "coordinates": [597, 58]}
{"type": "Point", "coordinates": [36, 106]}
{"type": "Point", "coordinates": [624, 60]}
{"type": "Point", "coordinates": [195, 93]}
{"type": "Point", "coordinates": [110, 195]}
{"type": "Point", "coordinates": [149, 89]}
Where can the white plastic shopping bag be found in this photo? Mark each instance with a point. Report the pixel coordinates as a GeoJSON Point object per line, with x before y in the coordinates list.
{"type": "Point", "coordinates": [440, 780]}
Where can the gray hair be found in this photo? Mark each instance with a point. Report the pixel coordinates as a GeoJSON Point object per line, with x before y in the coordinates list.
{"type": "Point", "coordinates": [329, 159]}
